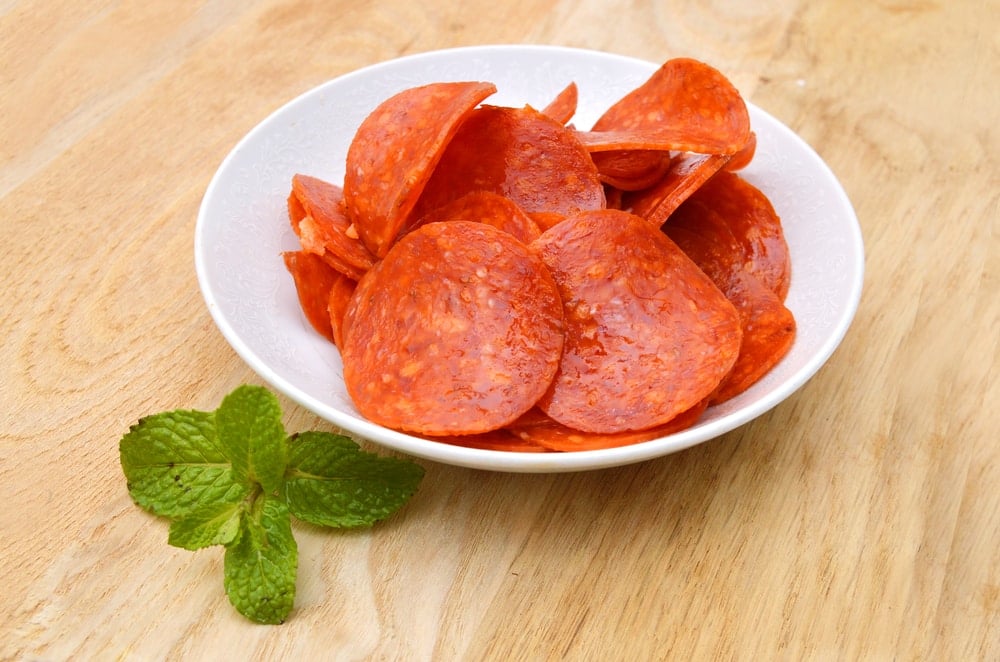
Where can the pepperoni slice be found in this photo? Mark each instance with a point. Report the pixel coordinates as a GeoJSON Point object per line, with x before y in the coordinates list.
{"type": "Point", "coordinates": [536, 427]}
{"type": "Point", "coordinates": [768, 326]}
{"type": "Point", "coordinates": [395, 150]}
{"type": "Point", "coordinates": [340, 296]}
{"type": "Point", "coordinates": [521, 154]}
{"type": "Point", "coordinates": [316, 211]}
{"type": "Point", "coordinates": [686, 174]}
{"type": "Point", "coordinates": [648, 335]}
{"type": "Point", "coordinates": [632, 170]}
{"type": "Point", "coordinates": [612, 140]}
{"type": "Point", "coordinates": [490, 208]}
{"type": "Point", "coordinates": [314, 279]}
{"type": "Point", "coordinates": [458, 330]}
{"type": "Point", "coordinates": [689, 104]}
{"type": "Point", "coordinates": [742, 158]}
{"type": "Point", "coordinates": [755, 225]}
{"type": "Point", "coordinates": [630, 160]}
{"type": "Point", "coordinates": [546, 219]}
{"type": "Point", "coordinates": [563, 107]}
{"type": "Point", "coordinates": [494, 440]}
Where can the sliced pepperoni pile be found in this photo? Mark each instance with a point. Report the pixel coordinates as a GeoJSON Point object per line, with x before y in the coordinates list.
{"type": "Point", "coordinates": [497, 278]}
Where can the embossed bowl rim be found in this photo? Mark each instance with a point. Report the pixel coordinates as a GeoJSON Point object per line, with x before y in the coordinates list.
{"type": "Point", "coordinates": [242, 228]}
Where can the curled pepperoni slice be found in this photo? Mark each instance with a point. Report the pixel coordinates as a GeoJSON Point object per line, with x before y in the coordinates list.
{"type": "Point", "coordinates": [536, 427]}
{"type": "Point", "coordinates": [755, 225]}
{"type": "Point", "coordinates": [518, 153]}
{"type": "Point", "coordinates": [632, 170]}
{"type": "Point", "coordinates": [314, 279]}
{"type": "Point", "coordinates": [685, 106]}
{"type": "Point", "coordinates": [494, 440]}
{"type": "Point", "coordinates": [458, 330]}
{"type": "Point", "coordinates": [768, 326]}
{"type": "Point", "coordinates": [563, 107]}
{"type": "Point", "coordinates": [692, 107]}
{"type": "Point", "coordinates": [395, 150]}
{"type": "Point", "coordinates": [546, 219]}
{"type": "Point", "coordinates": [742, 158]}
{"type": "Point", "coordinates": [686, 174]}
{"type": "Point", "coordinates": [316, 211]}
{"type": "Point", "coordinates": [648, 335]}
{"type": "Point", "coordinates": [629, 160]}
{"type": "Point", "coordinates": [489, 208]}
{"type": "Point", "coordinates": [340, 296]}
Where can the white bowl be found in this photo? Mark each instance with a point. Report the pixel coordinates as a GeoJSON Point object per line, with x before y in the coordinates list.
{"type": "Point", "coordinates": [242, 228]}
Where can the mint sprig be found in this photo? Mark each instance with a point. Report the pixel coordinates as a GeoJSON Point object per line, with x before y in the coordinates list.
{"type": "Point", "coordinates": [233, 477]}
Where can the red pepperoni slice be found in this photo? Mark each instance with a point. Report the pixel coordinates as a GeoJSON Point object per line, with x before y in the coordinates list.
{"type": "Point", "coordinates": [632, 170]}
{"type": "Point", "coordinates": [489, 208]}
{"type": "Point", "coordinates": [612, 140]}
{"type": "Point", "coordinates": [316, 211]}
{"type": "Point", "coordinates": [629, 160]}
{"type": "Point", "coordinates": [648, 335]}
{"type": "Point", "coordinates": [755, 225]}
{"type": "Point", "coordinates": [689, 104]}
{"type": "Point", "coordinates": [458, 330]}
{"type": "Point", "coordinates": [686, 174]}
{"type": "Point", "coordinates": [563, 107]}
{"type": "Point", "coordinates": [314, 279]}
{"type": "Point", "coordinates": [536, 427]}
{"type": "Point", "coordinates": [494, 440]}
{"type": "Point", "coordinates": [742, 158]}
{"type": "Point", "coordinates": [340, 297]}
{"type": "Point", "coordinates": [518, 153]}
{"type": "Point", "coordinates": [768, 326]}
{"type": "Point", "coordinates": [395, 150]}
{"type": "Point", "coordinates": [546, 219]}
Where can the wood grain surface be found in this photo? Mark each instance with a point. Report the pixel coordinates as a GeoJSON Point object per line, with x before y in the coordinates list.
{"type": "Point", "coordinates": [859, 520]}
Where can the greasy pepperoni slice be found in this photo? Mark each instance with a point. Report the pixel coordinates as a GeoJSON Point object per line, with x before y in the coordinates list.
{"type": "Point", "coordinates": [490, 208]}
{"type": "Point", "coordinates": [494, 440]}
{"type": "Point", "coordinates": [563, 107]}
{"type": "Point", "coordinates": [394, 151]}
{"type": "Point", "coordinates": [686, 174]}
{"type": "Point", "coordinates": [316, 211]}
{"type": "Point", "coordinates": [755, 225]}
{"type": "Point", "coordinates": [340, 296]}
{"type": "Point", "coordinates": [546, 219]}
{"type": "Point", "coordinates": [521, 154]}
{"type": "Point", "coordinates": [458, 330]}
{"type": "Point", "coordinates": [537, 428]}
{"type": "Point", "coordinates": [742, 158]}
{"type": "Point", "coordinates": [632, 170]}
{"type": "Point", "coordinates": [314, 279]}
{"type": "Point", "coordinates": [648, 335]}
{"type": "Point", "coordinates": [630, 160]}
{"type": "Point", "coordinates": [692, 107]}
{"type": "Point", "coordinates": [768, 326]}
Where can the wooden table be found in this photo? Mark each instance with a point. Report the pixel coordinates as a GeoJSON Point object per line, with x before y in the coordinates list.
{"type": "Point", "coordinates": [860, 519]}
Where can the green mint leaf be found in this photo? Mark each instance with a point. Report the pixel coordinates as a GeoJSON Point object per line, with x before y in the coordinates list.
{"type": "Point", "coordinates": [260, 566]}
{"type": "Point", "coordinates": [250, 431]}
{"type": "Point", "coordinates": [232, 478]}
{"type": "Point", "coordinates": [331, 482]}
{"type": "Point", "coordinates": [173, 463]}
{"type": "Point", "coordinates": [211, 524]}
